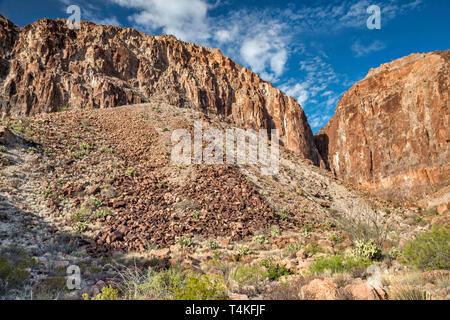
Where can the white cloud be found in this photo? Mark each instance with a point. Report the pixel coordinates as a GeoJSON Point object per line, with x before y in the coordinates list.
{"type": "Point", "coordinates": [345, 14]}
{"type": "Point", "coordinates": [185, 19]}
{"type": "Point", "coordinates": [317, 76]}
{"type": "Point", "coordinates": [299, 91]}
{"type": "Point", "coordinates": [264, 53]}
{"type": "Point", "coordinates": [91, 12]}
{"type": "Point", "coordinates": [361, 50]}
{"type": "Point", "coordinates": [257, 38]}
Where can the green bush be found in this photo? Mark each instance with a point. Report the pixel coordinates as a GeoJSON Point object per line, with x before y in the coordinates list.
{"type": "Point", "coordinates": [161, 285]}
{"type": "Point", "coordinates": [283, 214]}
{"type": "Point", "coordinates": [366, 250]}
{"type": "Point", "coordinates": [14, 265]}
{"type": "Point", "coordinates": [108, 293]}
{"type": "Point", "coordinates": [292, 249]}
{"type": "Point", "coordinates": [174, 283]}
{"type": "Point", "coordinates": [130, 172]}
{"type": "Point", "coordinates": [196, 214]}
{"type": "Point", "coordinates": [211, 244]}
{"type": "Point", "coordinates": [185, 241]}
{"type": "Point", "coordinates": [205, 287]}
{"type": "Point", "coordinates": [274, 270]}
{"type": "Point", "coordinates": [312, 248]}
{"type": "Point", "coordinates": [430, 250]}
{"type": "Point", "coordinates": [85, 146]}
{"type": "Point", "coordinates": [337, 263]}
{"type": "Point", "coordinates": [81, 215]}
{"type": "Point", "coordinates": [248, 274]}
{"type": "Point", "coordinates": [79, 227]}
{"type": "Point", "coordinates": [244, 251]}
{"type": "Point", "coordinates": [275, 231]}
{"type": "Point", "coordinates": [261, 239]}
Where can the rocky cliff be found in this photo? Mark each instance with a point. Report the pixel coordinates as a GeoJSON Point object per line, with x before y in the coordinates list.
{"type": "Point", "coordinates": [51, 67]}
{"type": "Point", "coordinates": [391, 131]}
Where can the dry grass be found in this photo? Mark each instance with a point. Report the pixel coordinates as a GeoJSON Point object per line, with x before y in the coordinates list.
{"type": "Point", "coordinates": [405, 292]}
{"type": "Point", "coordinates": [410, 285]}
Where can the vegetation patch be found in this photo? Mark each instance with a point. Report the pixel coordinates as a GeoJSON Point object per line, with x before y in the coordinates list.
{"type": "Point", "coordinates": [337, 263]}
{"type": "Point", "coordinates": [14, 265]}
{"type": "Point", "coordinates": [366, 250]}
{"type": "Point", "coordinates": [274, 270]}
{"type": "Point", "coordinates": [430, 250]}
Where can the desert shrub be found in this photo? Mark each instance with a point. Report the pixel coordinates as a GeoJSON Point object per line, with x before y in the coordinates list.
{"type": "Point", "coordinates": [81, 215]}
{"type": "Point", "coordinates": [367, 250]}
{"type": "Point", "coordinates": [184, 241]}
{"type": "Point", "coordinates": [430, 250]}
{"type": "Point", "coordinates": [394, 253]}
{"type": "Point", "coordinates": [211, 244]}
{"type": "Point", "coordinates": [107, 150]}
{"type": "Point", "coordinates": [249, 275]}
{"type": "Point", "coordinates": [283, 214]}
{"type": "Point", "coordinates": [335, 237]}
{"type": "Point", "coordinates": [244, 251]}
{"type": "Point", "coordinates": [202, 287]}
{"type": "Point", "coordinates": [337, 263]}
{"type": "Point", "coordinates": [274, 270]}
{"type": "Point", "coordinates": [95, 202]}
{"type": "Point", "coordinates": [108, 293]}
{"type": "Point", "coordinates": [46, 192]}
{"type": "Point", "coordinates": [261, 239]}
{"type": "Point", "coordinates": [196, 214]}
{"type": "Point", "coordinates": [305, 231]}
{"type": "Point", "coordinates": [363, 223]}
{"type": "Point", "coordinates": [79, 227]}
{"type": "Point", "coordinates": [275, 231]}
{"type": "Point", "coordinates": [14, 265]}
{"type": "Point", "coordinates": [17, 128]}
{"type": "Point", "coordinates": [85, 146]}
{"type": "Point", "coordinates": [405, 292]}
{"type": "Point", "coordinates": [312, 248]}
{"type": "Point", "coordinates": [292, 249]}
{"type": "Point", "coordinates": [102, 213]}
{"type": "Point", "coordinates": [153, 284]}
{"type": "Point", "coordinates": [173, 283]}
{"type": "Point", "coordinates": [130, 172]}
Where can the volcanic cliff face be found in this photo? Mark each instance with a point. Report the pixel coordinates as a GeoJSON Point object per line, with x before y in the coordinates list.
{"type": "Point", "coordinates": [390, 133]}
{"type": "Point", "coordinates": [102, 66]}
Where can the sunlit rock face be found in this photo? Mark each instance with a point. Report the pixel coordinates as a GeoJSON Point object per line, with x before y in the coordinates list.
{"type": "Point", "coordinates": [46, 66]}
{"type": "Point", "coordinates": [390, 133]}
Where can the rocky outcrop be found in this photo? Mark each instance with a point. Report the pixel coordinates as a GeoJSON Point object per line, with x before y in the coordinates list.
{"type": "Point", "coordinates": [102, 66]}
{"type": "Point", "coordinates": [390, 134]}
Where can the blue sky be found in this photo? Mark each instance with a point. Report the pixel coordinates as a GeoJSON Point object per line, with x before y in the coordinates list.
{"type": "Point", "coordinates": [313, 50]}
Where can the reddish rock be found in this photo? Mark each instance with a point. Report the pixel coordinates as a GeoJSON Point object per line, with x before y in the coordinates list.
{"type": "Point", "coordinates": [320, 289]}
{"type": "Point", "coordinates": [118, 203]}
{"type": "Point", "coordinates": [443, 208]}
{"type": "Point", "coordinates": [360, 290]}
{"type": "Point", "coordinates": [103, 66]}
{"type": "Point", "coordinates": [161, 253]}
{"type": "Point", "coordinates": [390, 134]}
{"type": "Point", "coordinates": [93, 190]}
